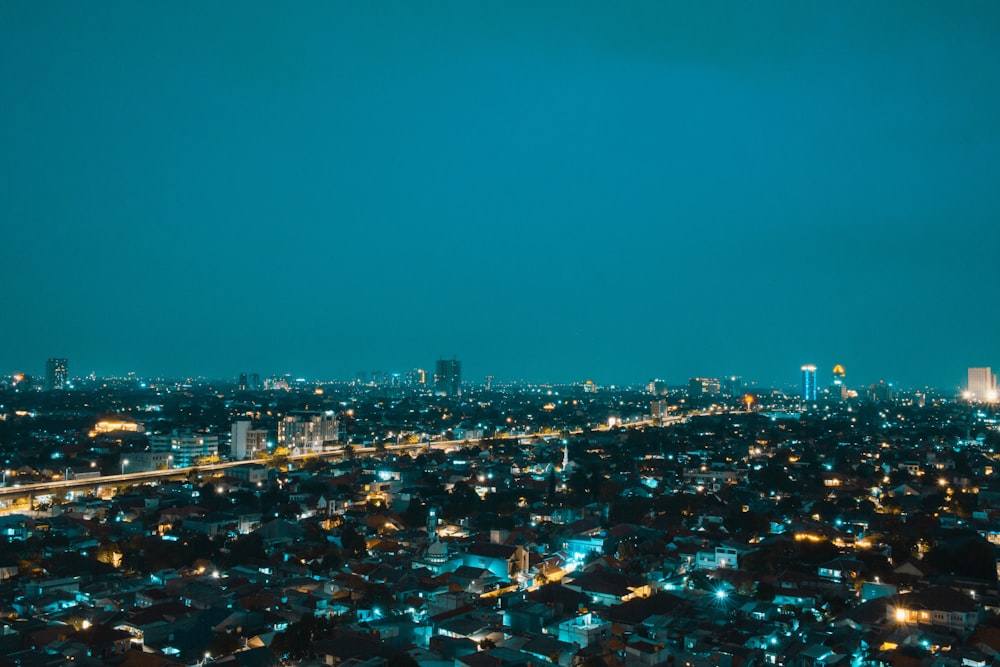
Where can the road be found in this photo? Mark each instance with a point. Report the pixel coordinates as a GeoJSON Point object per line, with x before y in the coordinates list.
{"type": "Point", "coordinates": [41, 488]}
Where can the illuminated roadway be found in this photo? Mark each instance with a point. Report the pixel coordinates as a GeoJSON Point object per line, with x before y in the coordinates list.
{"type": "Point", "coordinates": [41, 488]}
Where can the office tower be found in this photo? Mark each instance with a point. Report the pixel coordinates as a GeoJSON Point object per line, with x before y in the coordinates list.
{"type": "Point", "coordinates": [881, 392]}
{"type": "Point", "coordinates": [704, 386]}
{"type": "Point", "coordinates": [448, 377]}
{"type": "Point", "coordinates": [838, 390]}
{"type": "Point", "coordinates": [56, 374]}
{"type": "Point", "coordinates": [732, 385]}
{"type": "Point", "coordinates": [416, 378]}
{"type": "Point", "coordinates": [982, 387]}
{"type": "Point", "coordinates": [255, 382]}
{"type": "Point", "coordinates": [242, 384]}
{"type": "Point", "coordinates": [809, 383]}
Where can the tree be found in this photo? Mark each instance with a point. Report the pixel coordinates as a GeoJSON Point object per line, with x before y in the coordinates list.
{"type": "Point", "coordinates": [296, 641]}
{"type": "Point", "coordinates": [352, 543]}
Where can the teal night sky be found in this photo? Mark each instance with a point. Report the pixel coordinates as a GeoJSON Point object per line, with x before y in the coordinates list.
{"type": "Point", "coordinates": [550, 191]}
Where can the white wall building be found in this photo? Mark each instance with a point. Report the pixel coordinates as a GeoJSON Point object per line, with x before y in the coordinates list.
{"type": "Point", "coordinates": [304, 432]}
{"type": "Point", "coordinates": [982, 387]}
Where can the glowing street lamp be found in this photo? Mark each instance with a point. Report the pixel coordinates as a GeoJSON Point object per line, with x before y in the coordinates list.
{"type": "Point", "coordinates": [124, 463]}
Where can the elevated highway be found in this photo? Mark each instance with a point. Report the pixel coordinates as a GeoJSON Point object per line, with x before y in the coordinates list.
{"type": "Point", "coordinates": [11, 492]}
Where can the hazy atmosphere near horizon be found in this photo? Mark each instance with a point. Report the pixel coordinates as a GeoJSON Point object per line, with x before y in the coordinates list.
{"type": "Point", "coordinates": [549, 191]}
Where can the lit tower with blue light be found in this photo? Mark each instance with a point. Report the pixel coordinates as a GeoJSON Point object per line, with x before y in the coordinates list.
{"type": "Point", "coordinates": [809, 383]}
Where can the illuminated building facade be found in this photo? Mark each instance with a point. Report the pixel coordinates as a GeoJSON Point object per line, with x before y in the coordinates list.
{"type": "Point", "coordinates": [658, 410]}
{"type": "Point", "coordinates": [114, 425]}
{"type": "Point", "coordinates": [305, 432]}
{"type": "Point", "coordinates": [704, 387]}
{"type": "Point", "coordinates": [838, 390]}
{"type": "Point", "coordinates": [187, 447]}
{"type": "Point", "coordinates": [56, 373]}
{"type": "Point", "coordinates": [809, 383]}
{"type": "Point", "coordinates": [936, 606]}
{"type": "Point", "coordinates": [448, 377]}
{"type": "Point", "coordinates": [982, 386]}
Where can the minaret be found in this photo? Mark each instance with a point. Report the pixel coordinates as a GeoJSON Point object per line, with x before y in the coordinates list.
{"type": "Point", "coordinates": [432, 523]}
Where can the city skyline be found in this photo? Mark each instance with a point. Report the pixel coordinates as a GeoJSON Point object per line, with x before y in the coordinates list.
{"type": "Point", "coordinates": [561, 193]}
{"type": "Point", "coordinates": [445, 378]}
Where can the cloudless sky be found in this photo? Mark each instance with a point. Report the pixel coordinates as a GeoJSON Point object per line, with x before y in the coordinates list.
{"type": "Point", "coordinates": [552, 191]}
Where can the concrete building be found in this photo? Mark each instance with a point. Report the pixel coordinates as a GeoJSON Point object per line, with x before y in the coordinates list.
{"type": "Point", "coordinates": [982, 386]}
{"type": "Point", "coordinates": [56, 373]}
{"type": "Point", "coordinates": [246, 442]}
{"type": "Point", "coordinates": [147, 461]}
{"type": "Point", "coordinates": [704, 387]}
{"type": "Point", "coordinates": [187, 447]}
{"type": "Point", "coordinates": [307, 432]}
{"type": "Point", "coordinates": [448, 377]}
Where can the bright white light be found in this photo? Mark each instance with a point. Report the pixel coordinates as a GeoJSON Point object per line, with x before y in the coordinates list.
{"type": "Point", "coordinates": [721, 594]}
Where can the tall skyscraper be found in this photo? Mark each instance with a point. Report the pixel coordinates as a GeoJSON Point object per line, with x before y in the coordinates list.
{"type": "Point", "coordinates": [448, 377]}
{"type": "Point", "coordinates": [56, 373]}
{"type": "Point", "coordinates": [732, 385]}
{"type": "Point", "coordinates": [809, 383]}
{"type": "Point", "coordinates": [838, 390]}
{"type": "Point", "coordinates": [982, 387]}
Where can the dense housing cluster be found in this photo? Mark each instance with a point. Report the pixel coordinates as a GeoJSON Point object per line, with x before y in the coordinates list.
{"type": "Point", "coordinates": [384, 524]}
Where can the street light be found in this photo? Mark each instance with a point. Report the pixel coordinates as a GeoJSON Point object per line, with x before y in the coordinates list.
{"type": "Point", "coordinates": [124, 463]}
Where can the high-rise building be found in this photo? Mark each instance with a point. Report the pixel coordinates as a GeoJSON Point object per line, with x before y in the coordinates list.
{"type": "Point", "coordinates": [657, 411]}
{"type": "Point", "coordinates": [56, 373]}
{"type": "Point", "coordinates": [982, 387]}
{"type": "Point", "coordinates": [808, 382]}
{"type": "Point", "coordinates": [881, 392]}
{"type": "Point", "coordinates": [306, 432]}
{"type": "Point", "coordinates": [416, 378]}
{"type": "Point", "coordinates": [732, 385]}
{"type": "Point", "coordinates": [838, 390]}
{"type": "Point", "coordinates": [448, 377]}
{"type": "Point", "coordinates": [704, 386]}
{"type": "Point", "coordinates": [241, 385]}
